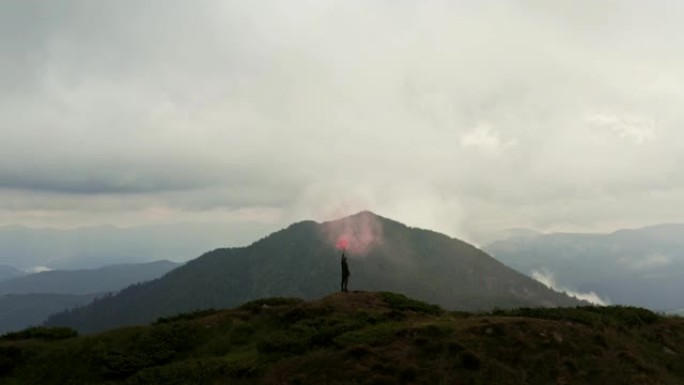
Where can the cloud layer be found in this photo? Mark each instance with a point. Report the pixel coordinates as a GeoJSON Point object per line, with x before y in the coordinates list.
{"type": "Point", "coordinates": [548, 280]}
{"type": "Point", "coordinates": [456, 116]}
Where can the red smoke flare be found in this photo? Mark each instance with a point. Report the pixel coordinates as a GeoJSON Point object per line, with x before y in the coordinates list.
{"type": "Point", "coordinates": [356, 234]}
{"type": "Point", "coordinates": [342, 244]}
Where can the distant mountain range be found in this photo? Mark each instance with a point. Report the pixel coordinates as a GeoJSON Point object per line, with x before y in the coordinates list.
{"type": "Point", "coordinates": [19, 311]}
{"type": "Point", "coordinates": [302, 261]}
{"type": "Point", "coordinates": [30, 299]}
{"type": "Point", "coordinates": [9, 272]}
{"type": "Point", "coordinates": [93, 247]}
{"type": "Point", "coordinates": [488, 237]}
{"type": "Point", "coordinates": [87, 281]}
{"type": "Point", "coordinates": [642, 267]}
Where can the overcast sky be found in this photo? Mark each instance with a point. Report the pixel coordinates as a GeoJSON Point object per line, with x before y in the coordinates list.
{"type": "Point", "coordinates": [459, 116]}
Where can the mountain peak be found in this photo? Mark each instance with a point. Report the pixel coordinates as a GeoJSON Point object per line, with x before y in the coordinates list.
{"type": "Point", "coordinates": [303, 261]}
{"type": "Point", "coordinates": [358, 233]}
{"type": "Point", "coordinates": [364, 214]}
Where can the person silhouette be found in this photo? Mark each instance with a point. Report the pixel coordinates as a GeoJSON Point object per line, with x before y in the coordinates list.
{"type": "Point", "coordinates": [345, 273]}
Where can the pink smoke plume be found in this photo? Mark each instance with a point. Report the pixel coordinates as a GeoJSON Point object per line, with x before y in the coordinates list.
{"type": "Point", "coordinates": [356, 234]}
{"type": "Point", "coordinates": [342, 244]}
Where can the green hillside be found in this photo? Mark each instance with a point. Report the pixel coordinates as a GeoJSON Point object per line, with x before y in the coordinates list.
{"type": "Point", "coordinates": [359, 338]}
{"type": "Point", "coordinates": [301, 261]}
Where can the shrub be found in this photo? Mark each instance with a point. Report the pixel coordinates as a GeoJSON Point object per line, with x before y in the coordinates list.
{"type": "Point", "coordinates": [376, 335]}
{"type": "Point", "coordinates": [409, 374]}
{"type": "Point", "coordinates": [403, 303]}
{"type": "Point", "coordinates": [10, 357]}
{"type": "Point", "coordinates": [322, 331]}
{"type": "Point", "coordinates": [118, 364]}
{"type": "Point", "coordinates": [242, 333]}
{"type": "Point", "coordinates": [42, 333]}
{"type": "Point", "coordinates": [257, 305]}
{"type": "Point", "coordinates": [395, 315]}
{"type": "Point", "coordinates": [470, 361]}
{"type": "Point", "coordinates": [628, 315]}
{"type": "Point", "coordinates": [124, 355]}
{"type": "Point", "coordinates": [379, 379]}
{"type": "Point", "coordinates": [432, 330]}
{"type": "Point", "coordinates": [455, 348]}
{"type": "Point", "coordinates": [299, 313]}
{"type": "Point", "coordinates": [186, 316]}
{"type": "Point", "coordinates": [431, 348]}
{"type": "Point", "coordinates": [588, 315]}
{"type": "Point", "coordinates": [244, 363]}
{"type": "Point", "coordinates": [180, 373]}
{"type": "Point", "coordinates": [358, 351]}
{"type": "Point", "coordinates": [283, 342]}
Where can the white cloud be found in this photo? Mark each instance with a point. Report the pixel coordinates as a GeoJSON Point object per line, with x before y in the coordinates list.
{"type": "Point", "coordinates": [548, 280]}
{"type": "Point", "coordinates": [168, 111]}
{"type": "Point", "coordinates": [486, 141]}
{"type": "Point", "coordinates": [651, 262]}
{"type": "Point", "coordinates": [631, 127]}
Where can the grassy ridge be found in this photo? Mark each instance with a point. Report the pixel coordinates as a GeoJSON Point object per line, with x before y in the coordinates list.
{"type": "Point", "coordinates": [359, 338]}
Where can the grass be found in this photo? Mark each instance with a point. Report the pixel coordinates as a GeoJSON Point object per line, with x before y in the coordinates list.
{"type": "Point", "coordinates": [359, 338]}
{"type": "Point", "coordinates": [401, 302]}
{"type": "Point", "coordinates": [614, 316]}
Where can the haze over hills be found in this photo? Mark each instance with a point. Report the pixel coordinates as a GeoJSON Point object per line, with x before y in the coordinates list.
{"type": "Point", "coordinates": [94, 247]}
{"type": "Point", "coordinates": [302, 261]}
{"type": "Point", "coordinates": [642, 267]}
{"type": "Point", "coordinates": [29, 300]}
{"type": "Point", "coordinates": [8, 272]}
{"type": "Point", "coordinates": [488, 237]}
{"type": "Point", "coordinates": [19, 311]}
{"type": "Point", "coordinates": [87, 281]}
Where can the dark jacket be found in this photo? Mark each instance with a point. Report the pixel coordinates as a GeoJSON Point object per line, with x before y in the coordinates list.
{"type": "Point", "coordinates": [345, 267]}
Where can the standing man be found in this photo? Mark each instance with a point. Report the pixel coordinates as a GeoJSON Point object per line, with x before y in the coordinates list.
{"type": "Point", "coordinates": [345, 273]}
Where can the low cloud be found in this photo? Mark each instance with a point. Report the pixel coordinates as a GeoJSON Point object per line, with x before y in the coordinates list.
{"type": "Point", "coordinates": [548, 280]}
{"type": "Point", "coordinates": [651, 262]}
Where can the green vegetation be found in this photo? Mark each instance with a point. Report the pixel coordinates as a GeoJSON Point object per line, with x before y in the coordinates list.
{"type": "Point", "coordinates": [259, 304]}
{"type": "Point", "coordinates": [402, 303]}
{"type": "Point", "coordinates": [359, 338]}
{"type": "Point", "coordinates": [187, 316]}
{"type": "Point", "coordinates": [615, 316]}
{"type": "Point", "coordinates": [48, 334]}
